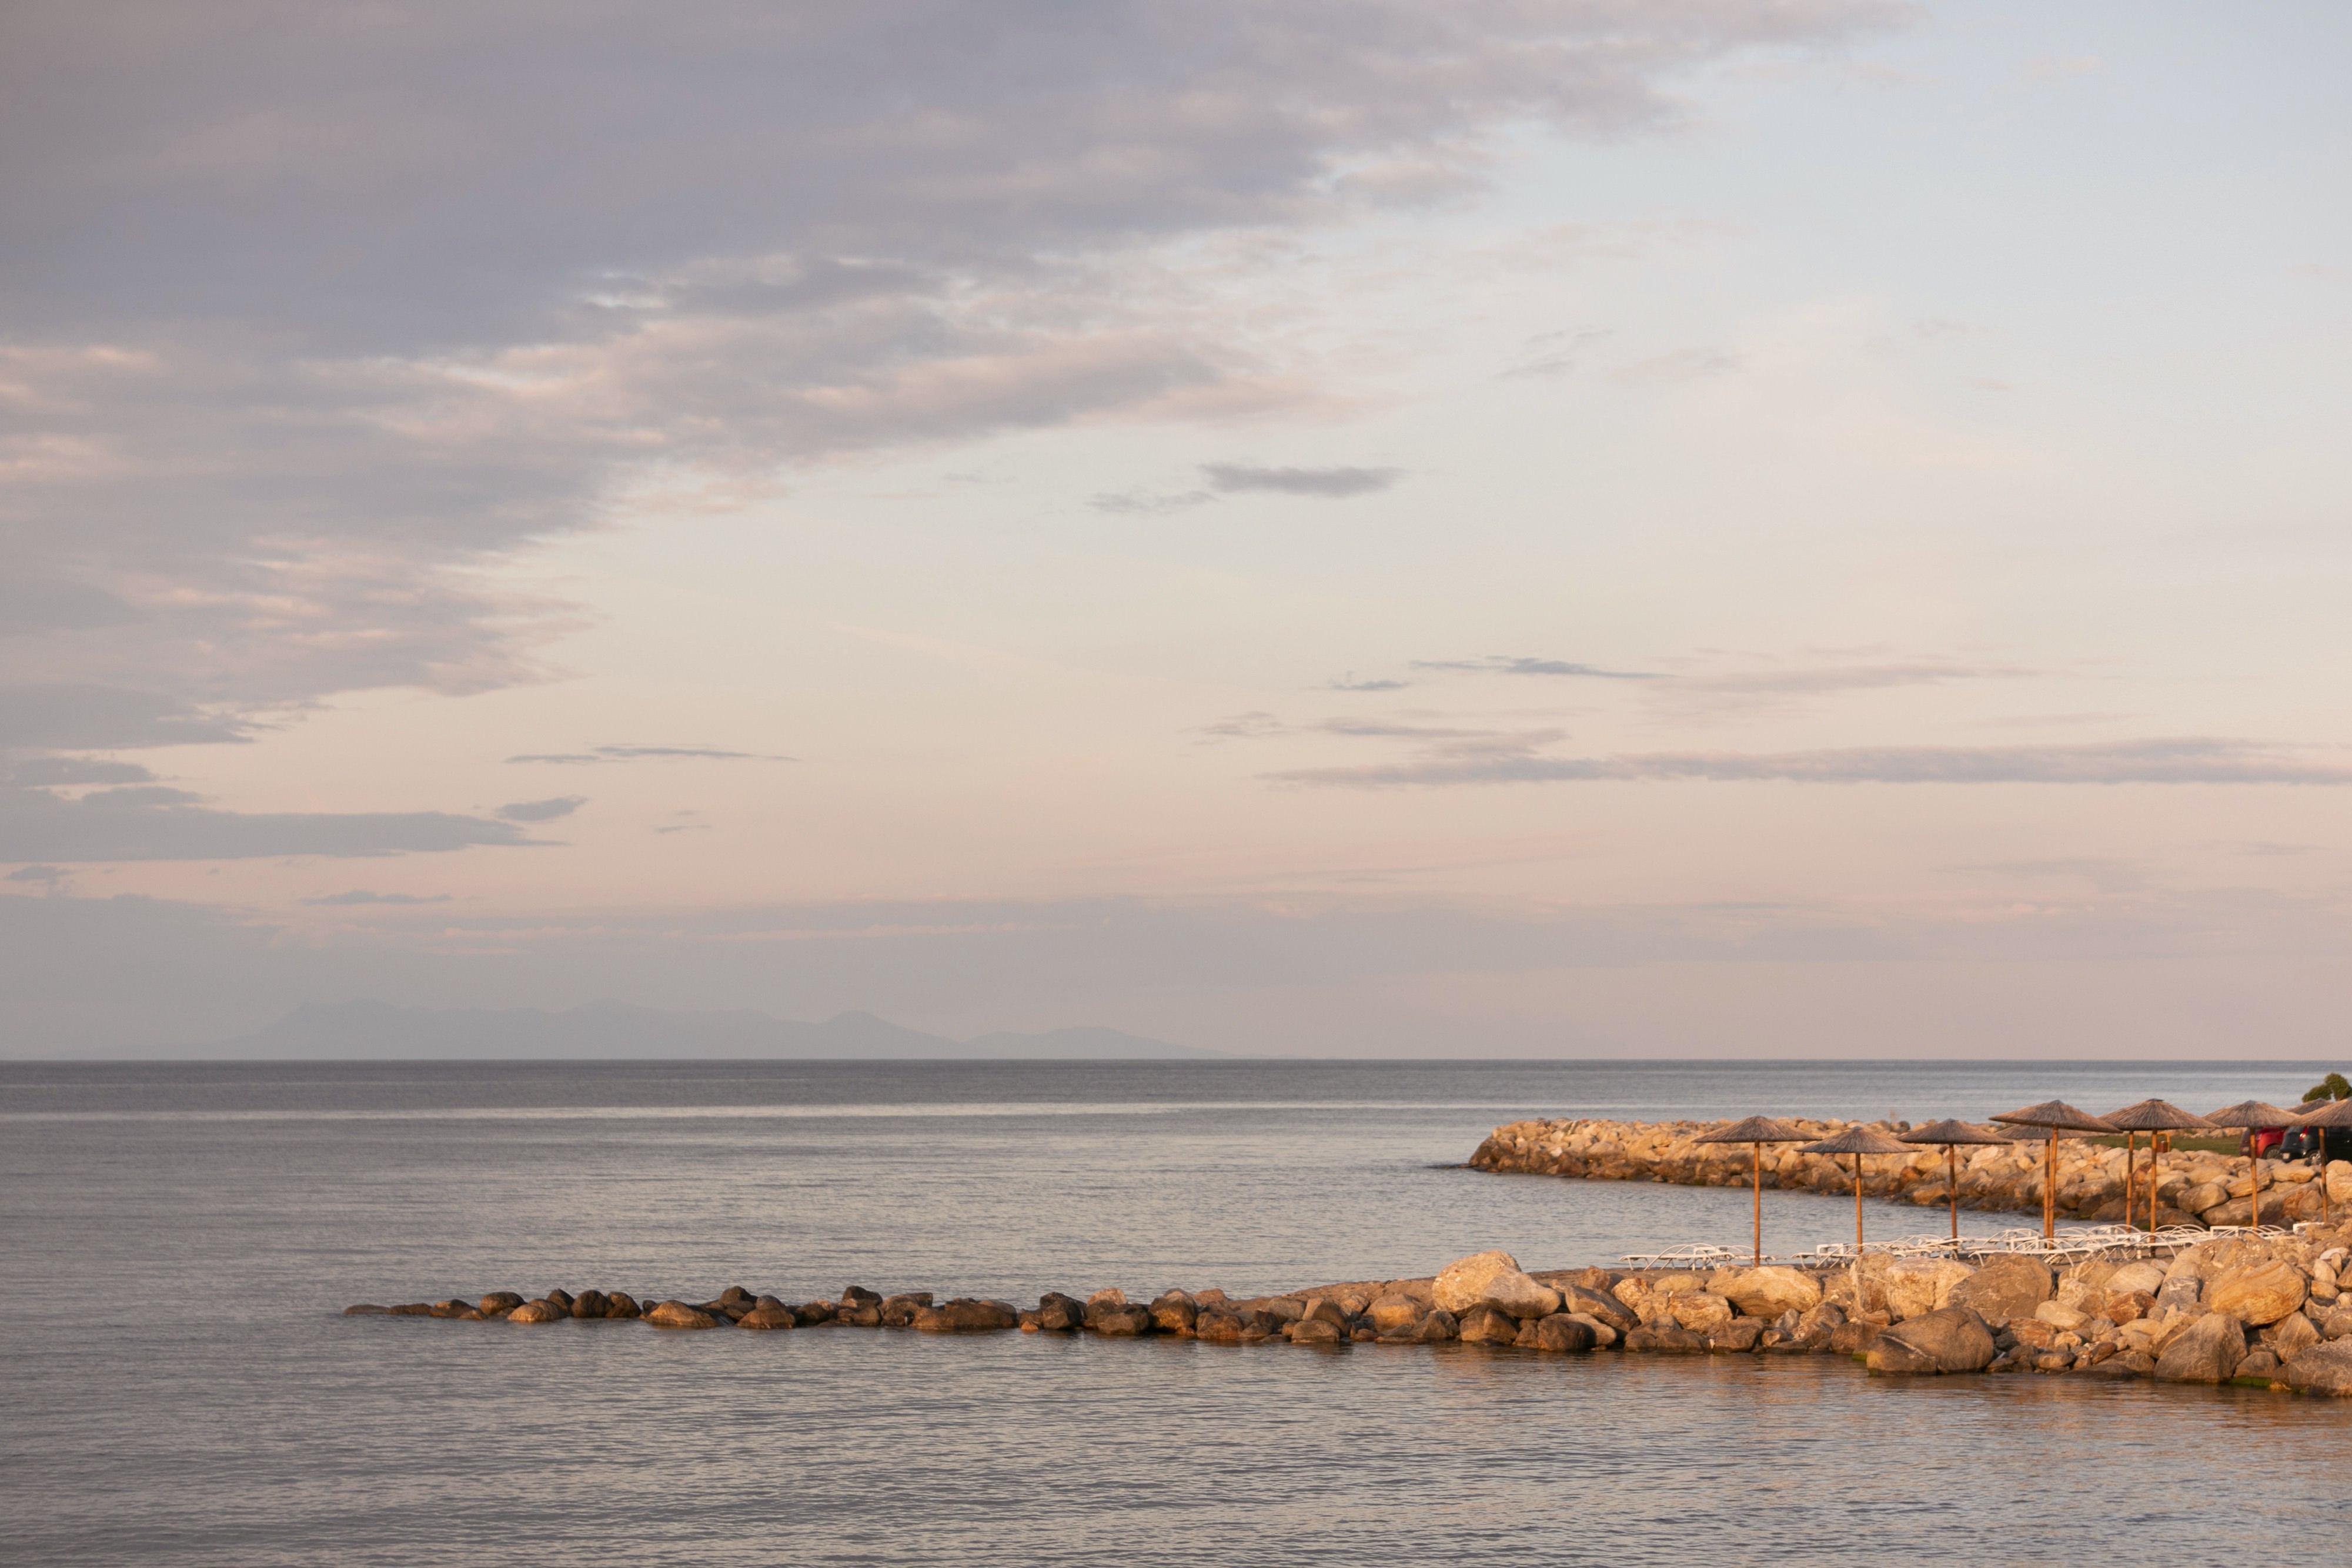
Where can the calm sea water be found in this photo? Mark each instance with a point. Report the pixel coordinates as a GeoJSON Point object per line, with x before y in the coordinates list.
{"type": "Point", "coordinates": [179, 1388]}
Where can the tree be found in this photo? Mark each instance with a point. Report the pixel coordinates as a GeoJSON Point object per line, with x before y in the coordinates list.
{"type": "Point", "coordinates": [2335, 1086]}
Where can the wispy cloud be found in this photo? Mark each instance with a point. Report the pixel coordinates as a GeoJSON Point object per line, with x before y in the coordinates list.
{"type": "Point", "coordinates": [360, 896]}
{"type": "Point", "coordinates": [2185, 760]}
{"type": "Point", "coordinates": [49, 876]}
{"type": "Point", "coordinates": [1497, 664]}
{"type": "Point", "coordinates": [542, 811]}
{"type": "Point", "coordinates": [1674, 368]}
{"type": "Point", "coordinates": [650, 753]}
{"type": "Point", "coordinates": [1349, 683]}
{"type": "Point", "coordinates": [1329, 482]}
{"type": "Point", "coordinates": [155, 822]}
{"type": "Point", "coordinates": [1145, 503]}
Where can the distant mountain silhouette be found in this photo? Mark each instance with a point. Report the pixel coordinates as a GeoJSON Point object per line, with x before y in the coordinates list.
{"type": "Point", "coordinates": [364, 1030]}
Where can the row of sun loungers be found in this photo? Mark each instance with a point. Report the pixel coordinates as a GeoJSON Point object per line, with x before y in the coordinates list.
{"type": "Point", "coordinates": [2067, 1246]}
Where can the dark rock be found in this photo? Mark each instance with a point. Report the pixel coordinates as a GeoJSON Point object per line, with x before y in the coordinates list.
{"type": "Point", "coordinates": [2323, 1369]}
{"type": "Point", "coordinates": [1119, 1322]}
{"type": "Point", "coordinates": [1739, 1334]}
{"type": "Point", "coordinates": [811, 1312]}
{"type": "Point", "coordinates": [590, 1304]}
{"type": "Point", "coordinates": [965, 1315]}
{"type": "Point", "coordinates": [1489, 1325]}
{"type": "Point", "coordinates": [1315, 1330]}
{"type": "Point", "coordinates": [1322, 1308]}
{"type": "Point", "coordinates": [1216, 1326]}
{"type": "Point", "coordinates": [558, 1298]}
{"type": "Point", "coordinates": [2207, 1351]}
{"type": "Point", "coordinates": [734, 1295]}
{"type": "Point", "coordinates": [621, 1304]}
{"type": "Point", "coordinates": [1439, 1326]}
{"type": "Point", "coordinates": [498, 1301]}
{"type": "Point", "coordinates": [774, 1315]}
{"type": "Point", "coordinates": [411, 1310]}
{"type": "Point", "coordinates": [1172, 1312]}
{"type": "Point", "coordinates": [678, 1315]}
{"type": "Point", "coordinates": [859, 1296]}
{"type": "Point", "coordinates": [1561, 1333]}
{"type": "Point", "coordinates": [1666, 1339]}
{"type": "Point", "coordinates": [898, 1311]}
{"type": "Point", "coordinates": [2258, 1366]}
{"type": "Point", "coordinates": [1058, 1313]}
{"type": "Point", "coordinates": [365, 1309]}
{"type": "Point", "coordinates": [2123, 1364]}
{"type": "Point", "coordinates": [1855, 1336]}
{"type": "Point", "coordinates": [1597, 1303]}
{"type": "Point", "coordinates": [540, 1311]}
{"type": "Point", "coordinates": [1951, 1339]}
{"type": "Point", "coordinates": [860, 1316]}
{"type": "Point", "coordinates": [453, 1308]}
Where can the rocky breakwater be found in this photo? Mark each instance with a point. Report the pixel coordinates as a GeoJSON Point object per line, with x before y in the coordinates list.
{"type": "Point", "coordinates": [2194, 1188]}
{"type": "Point", "coordinates": [2264, 1312]}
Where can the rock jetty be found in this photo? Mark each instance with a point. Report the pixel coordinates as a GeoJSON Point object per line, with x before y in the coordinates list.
{"type": "Point", "coordinates": [2195, 1188]}
{"type": "Point", "coordinates": [2251, 1311]}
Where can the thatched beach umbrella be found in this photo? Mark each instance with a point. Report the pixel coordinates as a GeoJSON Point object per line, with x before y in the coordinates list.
{"type": "Point", "coordinates": [2151, 1116]}
{"type": "Point", "coordinates": [1858, 1141]}
{"type": "Point", "coordinates": [1951, 1134]}
{"type": "Point", "coordinates": [1756, 1131]}
{"type": "Point", "coordinates": [2324, 1114]}
{"type": "Point", "coordinates": [2049, 1119]}
{"type": "Point", "coordinates": [2251, 1116]}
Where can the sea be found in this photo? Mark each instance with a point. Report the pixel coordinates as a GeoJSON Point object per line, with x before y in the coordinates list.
{"type": "Point", "coordinates": [178, 1384]}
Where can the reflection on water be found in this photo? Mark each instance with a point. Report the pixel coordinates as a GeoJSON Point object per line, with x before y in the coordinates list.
{"type": "Point", "coordinates": [179, 1390]}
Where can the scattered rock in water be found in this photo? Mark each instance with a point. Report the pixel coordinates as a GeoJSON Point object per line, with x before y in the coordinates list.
{"type": "Point", "coordinates": [1119, 1321]}
{"type": "Point", "coordinates": [1666, 1339]}
{"type": "Point", "coordinates": [767, 1314]}
{"type": "Point", "coordinates": [859, 1296]}
{"type": "Point", "coordinates": [498, 1301]}
{"type": "Point", "coordinates": [859, 1314]}
{"type": "Point", "coordinates": [1174, 1312]}
{"type": "Point", "coordinates": [898, 1311]}
{"type": "Point", "coordinates": [678, 1315]}
{"type": "Point", "coordinates": [965, 1315]}
{"type": "Point", "coordinates": [411, 1310]}
{"type": "Point", "coordinates": [1562, 1333]}
{"type": "Point", "coordinates": [1951, 1339]}
{"type": "Point", "coordinates": [1058, 1313]}
{"type": "Point", "coordinates": [366, 1310]}
{"type": "Point", "coordinates": [1316, 1330]}
{"type": "Point", "coordinates": [808, 1315]}
{"type": "Point", "coordinates": [538, 1312]}
{"type": "Point", "coordinates": [1394, 1313]}
{"type": "Point", "coordinates": [1855, 1335]}
{"type": "Point", "coordinates": [621, 1304]}
{"type": "Point", "coordinates": [2260, 1366]}
{"type": "Point", "coordinates": [590, 1304]}
{"type": "Point", "coordinates": [2123, 1363]}
{"type": "Point", "coordinates": [1489, 1325]}
{"type": "Point", "coordinates": [561, 1299]}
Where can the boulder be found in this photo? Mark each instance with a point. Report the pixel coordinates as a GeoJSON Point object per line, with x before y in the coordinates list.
{"type": "Point", "coordinates": [456, 1309]}
{"type": "Point", "coordinates": [965, 1315]}
{"type": "Point", "coordinates": [1215, 1325]}
{"type": "Point", "coordinates": [590, 1304]}
{"type": "Point", "coordinates": [1394, 1313]}
{"type": "Point", "coordinates": [1855, 1336]}
{"type": "Point", "coordinates": [1738, 1335]}
{"type": "Point", "coordinates": [411, 1310]}
{"type": "Point", "coordinates": [734, 1296]}
{"type": "Point", "coordinates": [561, 1299]}
{"type": "Point", "coordinates": [2066, 1320]}
{"type": "Point", "coordinates": [1564, 1333]}
{"type": "Point", "coordinates": [1439, 1326]}
{"type": "Point", "coordinates": [2339, 1183]}
{"type": "Point", "coordinates": [1918, 1286]}
{"type": "Point", "coordinates": [621, 1304]}
{"type": "Point", "coordinates": [1701, 1312]}
{"type": "Point", "coordinates": [2256, 1293]}
{"type": "Point", "coordinates": [2141, 1276]}
{"type": "Point", "coordinates": [1488, 1325]}
{"type": "Point", "coordinates": [1951, 1339]}
{"type": "Point", "coordinates": [776, 1316]}
{"type": "Point", "coordinates": [1321, 1309]}
{"type": "Point", "coordinates": [1602, 1334]}
{"type": "Point", "coordinates": [499, 1302]}
{"type": "Point", "coordinates": [1057, 1313]}
{"type": "Point", "coordinates": [1599, 1304]}
{"type": "Point", "coordinates": [2290, 1335]}
{"type": "Point", "coordinates": [810, 1314]}
{"type": "Point", "coordinates": [1666, 1339]}
{"type": "Point", "coordinates": [2179, 1293]}
{"type": "Point", "coordinates": [675, 1315]}
{"type": "Point", "coordinates": [2123, 1363]}
{"type": "Point", "coordinates": [1316, 1330]}
{"type": "Point", "coordinates": [1519, 1296]}
{"type": "Point", "coordinates": [537, 1312]}
{"type": "Point", "coordinates": [2005, 1288]}
{"type": "Point", "coordinates": [1765, 1292]}
{"type": "Point", "coordinates": [2203, 1195]}
{"type": "Point", "coordinates": [366, 1310]}
{"type": "Point", "coordinates": [2322, 1368]}
{"type": "Point", "coordinates": [898, 1311]}
{"type": "Point", "coordinates": [2337, 1325]}
{"type": "Point", "coordinates": [2207, 1351]}
{"type": "Point", "coordinates": [1174, 1312]}
{"type": "Point", "coordinates": [1461, 1284]}
{"type": "Point", "coordinates": [1123, 1321]}
{"type": "Point", "coordinates": [2260, 1365]}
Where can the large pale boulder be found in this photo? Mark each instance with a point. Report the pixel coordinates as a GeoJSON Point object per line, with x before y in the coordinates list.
{"type": "Point", "coordinates": [1701, 1312]}
{"type": "Point", "coordinates": [1769, 1291]}
{"type": "Point", "coordinates": [1461, 1284]}
{"type": "Point", "coordinates": [676, 1315]}
{"type": "Point", "coordinates": [2066, 1319]}
{"type": "Point", "coordinates": [2339, 1186]}
{"type": "Point", "coordinates": [2256, 1293]}
{"type": "Point", "coordinates": [1918, 1286]}
{"type": "Point", "coordinates": [2142, 1276]}
{"type": "Point", "coordinates": [1394, 1313]}
{"type": "Point", "coordinates": [2291, 1335]}
{"type": "Point", "coordinates": [2208, 1351]}
{"type": "Point", "coordinates": [2004, 1288]}
{"type": "Point", "coordinates": [2322, 1369]}
{"type": "Point", "coordinates": [1951, 1339]}
{"type": "Point", "coordinates": [538, 1312]}
{"type": "Point", "coordinates": [1521, 1297]}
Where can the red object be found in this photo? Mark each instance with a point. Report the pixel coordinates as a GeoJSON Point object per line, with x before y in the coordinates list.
{"type": "Point", "coordinates": [2265, 1139]}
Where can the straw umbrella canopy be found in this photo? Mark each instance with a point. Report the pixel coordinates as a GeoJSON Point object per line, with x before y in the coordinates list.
{"type": "Point", "coordinates": [2250, 1114]}
{"type": "Point", "coordinates": [2049, 1119]}
{"type": "Point", "coordinates": [2151, 1116]}
{"type": "Point", "coordinates": [2325, 1114]}
{"type": "Point", "coordinates": [1756, 1131]}
{"type": "Point", "coordinates": [1951, 1134]}
{"type": "Point", "coordinates": [1858, 1141]}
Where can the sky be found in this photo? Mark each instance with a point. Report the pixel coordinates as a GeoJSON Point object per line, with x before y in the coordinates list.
{"type": "Point", "coordinates": [1341, 527]}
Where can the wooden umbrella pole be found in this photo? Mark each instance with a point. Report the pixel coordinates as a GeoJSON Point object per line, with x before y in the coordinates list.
{"type": "Point", "coordinates": [2131, 1173]}
{"type": "Point", "coordinates": [2050, 1189]}
{"type": "Point", "coordinates": [1858, 1302]}
{"type": "Point", "coordinates": [2253, 1182]}
{"type": "Point", "coordinates": [1756, 1152]}
{"type": "Point", "coordinates": [1952, 1168]}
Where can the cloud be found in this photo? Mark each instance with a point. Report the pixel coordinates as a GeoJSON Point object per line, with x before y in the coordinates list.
{"type": "Point", "coordinates": [1254, 726]}
{"type": "Point", "coordinates": [48, 771]}
{"type": "Point", "coordinates": [2188, 760]}
{"type": "Point", "coordinates": [645, 753]}
{"type": "Point", "coordinates": [326, 314]}
{"type": "Point", "coordinates": [1143, 504]}
{"type": "Point", "coordinates": [48, 876]}
{"type": "Point", "coordinates": [361, 895]}
{"type": "Point", "coordinates": [1349, 683]}
{"type": "Point", "coordinates": [1855, 677]}
{"type": "Point", "coordinates": [1497, 665]}
{"type": "Point", "coordinates": [1674, 368]}
{"type": "Point", "coordinates": [1554, 354]}
{"type": "Point", "coordinates": [153, 823]}
{"type": "Point", "coordinates": [72, 717]}
{"type": "Point", "coordinates": [542, 811]}
{"type": "Point", "coordinates": [1331, 482]}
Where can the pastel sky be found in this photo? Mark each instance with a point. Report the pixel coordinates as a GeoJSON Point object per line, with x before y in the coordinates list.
{"type": "Point", "coordinates": [1686, 528]}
